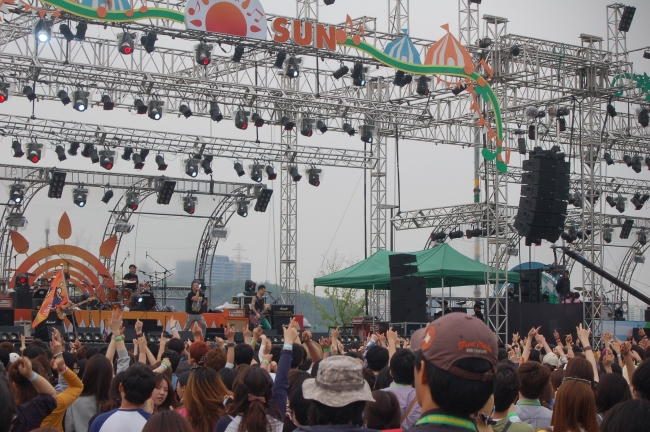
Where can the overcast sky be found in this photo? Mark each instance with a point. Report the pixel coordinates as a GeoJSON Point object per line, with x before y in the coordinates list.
{"type": "Point", "coordinates": [330, 217]}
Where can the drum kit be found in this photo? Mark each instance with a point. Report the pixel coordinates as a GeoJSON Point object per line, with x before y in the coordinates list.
{"type": "Point", "coordinates": [120, 298]}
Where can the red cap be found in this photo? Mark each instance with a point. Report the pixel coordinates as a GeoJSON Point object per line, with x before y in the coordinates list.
{"type": "Point", "coordinates": [457, 336]}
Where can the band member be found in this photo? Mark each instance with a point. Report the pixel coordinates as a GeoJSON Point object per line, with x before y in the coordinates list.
{"type": "Point", "coordinates": [563, 286]}
{"type": "Point", "coordinates": [258, 308]}
{"type": "Point", "coordinates": [58, 298]}
{"type": "Point", "coordinates": [132, 276]}
{"type": "Point", "coordinates": [195, 305]}
{"type": "Point", "coordinates": [147, 298]}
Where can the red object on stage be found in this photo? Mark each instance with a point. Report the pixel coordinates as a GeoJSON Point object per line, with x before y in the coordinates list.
{"type": "Point", "coordinates": [300, 319]}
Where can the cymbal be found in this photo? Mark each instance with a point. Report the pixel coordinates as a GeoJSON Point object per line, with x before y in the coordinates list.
{"type": "Point", "coordinates": [127, 281]}
{"type": "Point", "coordinates": [579, 288]}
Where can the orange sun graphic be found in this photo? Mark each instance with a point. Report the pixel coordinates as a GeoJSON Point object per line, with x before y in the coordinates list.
{"type": "Point", "coordinates": [246, 18]}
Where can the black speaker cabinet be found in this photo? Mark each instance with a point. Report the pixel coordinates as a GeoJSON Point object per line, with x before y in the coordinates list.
{"type": "Point", "coordinates": [21, 300]}
{"type": "Point", "coordinates": [6, 317]}
{"type": "Point", "coordinates": [408, 299]}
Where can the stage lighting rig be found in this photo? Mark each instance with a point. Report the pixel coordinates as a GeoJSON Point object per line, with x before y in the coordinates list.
{"type": "Point", "coordinates": [82, 26]}
{"type": "Point", "coordinates": [192, 166]}
{"type": "Point", "coordinates": [107, 159]}
{"type": "Point", "coordinates": [647, 162]}
{"type": "Point", "coordinates": [165, 190]}
{"type": "Point", "coordinates": [108, 195]}
{"type": "Point", "coordinates": [611, 111]}
{"type": "Point", "coordinates": [34, 152]}
{"type": "Point", "coordinates": [80, 195]}
{"type": "Point", "coordinates": [321, 126]}
{"type": "Point", "coordinates": [611, 201]}
{"type": "Point", "coordinates": [43, 30]}
{"type": "Point", "coordinates": [643, 117]}
{"type": "Point", "coordinates": [329, 2]}
{"type": "Point", "coordinates": [258, 121]}
{"type": "Point", "coordinates": [241, 119]}
{"type": "Point", "coordinates": [347, 128]}
{"type": "Point", "coordinates": [4, 91]}
{"type": "Point", "coordinates": [139, 159]}
{"type": "Point", "coordinates": [239, 169]}
{"type": "Point", "coordinates": [89, 151]}
{"type": "Point", "coordinates": [148, 41]}
{"type": "Point", "coordinates": [125, 42]}
{"type": "Point", "coordinates": [368, 133]}
{"type": "Point", "coordinates": [206, 164]}
{"type": "Point", "coordinates": [307, 127]}
{"type": "Point", "coordinates": [186, 111]}
{"type": "Point", "coordinates": [56, 180]}
{"type": "Point", "coordinates": [626, 18]}
{"type": "Point", "coordinates": [458, 89]}
{"type": "Point", "coordinates": [287, 123]}
{"type": "Point", "coordinates": [636, 164]}
{"type": "Point", "coordinates": [64, 29]}
{"type": "Point", "coordinates": [359, 74]}
{"type": "Point", "coordinates": [140, 106]}
{"type": "Point", "coordinates": [626, 229]}
{"type": "Point", "coordinates": [203, 53]}
{"type": "Point", "coordinates": [28, 91]}
{"type": "Point", "coordinates": [126, 155]}
{"type": "Point", "coordinates": [608, 158]}
{"type": "Point", "coordinates": [423, 86]}
{"type": "Point", "coordinates": [74, 147]}
{"type": "Point", "coordinates": [315, 175]}
{"type": "Point", "coordinates": [80, 100]}
{"type": "Point", "coordinates": [270, 172]}
{"type": "Point", "coordinates": [515, 50]}
{"type": "Point", "coordinates": [620, 204]}
{"type": "Point", "coordinates": [155, 109]}
{"type": "Point", "coordinates": [242, 207]}
{"type": "Point", "coordinates": [189, 204]}
{"type": "Point", "coordinates": [17, 149]}
{"type": "Point", "coordinates": [255, 172]}
{"type": "Point", "coordinates": [485, 42]}
{"type": "Point", "coordinates": [279, 59]}
{"type": "Point", "coordinates": [401, 79]}
{"type": "Point", "coordinates": [341, 71]}
{"type": "Point", "coordinates": [60, 153]}
{"type": "Point", "coordinates": [17, 193]}
{"type": "Point", "coordinates": [295, 175]}
{"type": "Point", "coordinates": [456, 234]}
{"type": "Point", "coordinates": [132, 199]}
{"type": "Point", "coordinates": [215, 112]}
{"type": "Point", "coordinates": [63, 95]}
{"type": "Point", "coordinates": [160, 161]}
{"type": "Point", "coordinates": [263, 199]}
{"type": "Point", "coordinates": [238, 53]}
{"type": "Point", "coordinates": [607, 234]}
{"type": "Point", "coordinates": [107, 103]}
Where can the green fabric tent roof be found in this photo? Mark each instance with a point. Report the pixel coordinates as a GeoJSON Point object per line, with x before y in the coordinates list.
{"type": "Point", "coordinates": [441, 262]}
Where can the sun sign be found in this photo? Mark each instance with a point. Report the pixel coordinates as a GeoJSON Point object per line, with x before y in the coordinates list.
{"type": "Point", "coordinates": [233, 17]}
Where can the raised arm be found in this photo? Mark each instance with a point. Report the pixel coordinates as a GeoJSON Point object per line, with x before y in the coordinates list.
{"type": "Point", "coordinates": [583, 335]}
{"type": "Point", "coordinates": [312, 347]}
{"type": "Point", "coordinates": [392, 342]}
{"type": "Point", "coordinates": [41, 385]}
{"type": "Point", "coordinates": [529, 340]}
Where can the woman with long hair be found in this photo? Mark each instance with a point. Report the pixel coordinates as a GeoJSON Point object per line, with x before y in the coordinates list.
{"type": "Point", "coordinates": [167, 421]}
{"type": "Point", "coordinates": [203, 399]}
{"type": "Point", "coordinates": [575, 407]}
{"type": "Point", "coordinates": [97, 384]}
{"type": "Point", "coordinates": [163, 396]}
{"type": "Point", "coordinates": [612, 389]}
{"type": "Point", "coordinates": [34, 396]}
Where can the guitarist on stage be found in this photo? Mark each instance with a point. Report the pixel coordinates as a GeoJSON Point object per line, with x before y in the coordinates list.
{"type": "Point", "coordinates": [258, 308]}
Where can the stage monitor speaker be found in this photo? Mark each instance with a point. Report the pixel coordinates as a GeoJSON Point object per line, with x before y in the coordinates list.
{"type": "Point", "coordinates": [129, 335]}
{"type": "Point", "coordinates": [11, 333]}
{"type": "Point", "coordinates": [187, 335]}
{"type": "Point", "coordinates": [44, 332]}
{"type": "Point", "coordinates": [148, 325]}
{"type": "Point", "coordinates": [210, 334]}
{"type": "Point", "coordinates": [93, 335]}
{"type": "Point", "coordinates": [21, 300]}
{"type": "Point", "coordinates": [6, 317]}
{"type": "Point", "coordinates": [280, 321]}
{"type": "Point", "coordinates": [270, 333]}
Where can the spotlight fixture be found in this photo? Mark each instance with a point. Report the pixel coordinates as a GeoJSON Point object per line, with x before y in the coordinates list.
{"type": "Point", "coordinates": [189, 204]}
{"type": "Point", "coordinates": [620, 204]}
{"type": "Point", "coordinates": [81, 30]}
{"type": "Point", "coordinates": [108, 103]}
{"type": "Point", "coordinates": [321, 126]}
{"type": "Point", "coordinates": [608, 158]}
{"type": "Point", "coordinates": [636, 164]}
{"type": "Point", "coordinates": [160, 161]}
{"type": "Point", "coordinates": [242, 207]}
{"type": "Point", "coordinates": [359, 74]}
{"type": "Point", "coordinates": [139, 159]}
{"type": "Point", "coordinates": [611, 111]}
{"type": "Point", "coordinates": [60, 153]}
{"type": "Point", "coordinates": [423, 86]}
{"type": "Point", "coordinates": [329, 2]}
{"type": "Point", "coordinates": [611, 201]}
{"type": "Point", "coordinates": [140, 106]}
{"type": "Point", "coordinates": [341, 71]}
{"type": "Point", "coordinates": [74, 147]}
{"type": "Point", "coordinates": [521, 143]}
{"type": "Point", "coordinates": [279, 59]}
{"type": "Point", "coordinates": [401, 79]}
{"type": "Point", "coordinates": [108, 195]}
{"type": "Point", "coordinates": [636, 201]}
{"type": "Point", "coordinates": [132, 199]}
{"type": "Point", "coordinates": [647, 162]}
{"type": "Point", "coordinates": [203, 53]}
{"type": "Point", "coordinates": [485, 42]}
{"type": "Point", "coordinates": [43, 30]}
{"type": "Point", "coordinates": [80, 196]}
{"type": "Point", "coordinates": [17, 193]}
{"type": "Point", "coordinates": [347, 128]}
{"type": "Point", "coordinates": [646, 54]}
{"type": "Point", "coordinates": [458, 89]}
{"type": "Point", "coordinates": [89, 151]}
{"type": "Point", "coordinates": [63, 95]}
{"type": "Point", "coordinates": [80, 100]}
{"type": "Point", "coordinates": [56, 182]}
{"type": "Point", "coordinates": [314, 175]}
{"type": "Point", "coordinates": [155, 109]}
{"type": "Point", "coordinates": [34, 152]}
{"type": "Point", "coordinates": [626, 229]}
{"type": "Point", "coordinates": [263, 199]}
{"type": "Point", "coordinates": [29, 92]}
{"type": "Point", "coordinates": [128, 151]}
{"type": "Point", "coordinates": [292, 67]}
{"type": "Point", "coordinates": [295, 175]}
{"type": "Point", "coordinates": [186, 111]}
{"type": "Point", "coordinates": [4, 91]}
{"type": "Point", "coordinates": [107, 159]}
{"type": "Point", "coordinates": [64, 29]}
{"type": "Point", "coordinates": [642, 237]}
{"type": "Point", "coordinates": [165, 189]}
{"type": "Point", "coordinates": [258, 121]}
{"type": "Point", "coordinates": [255, 171]}
{"type": "Point", "coordinates": [628, 160]}
{"type": "Point", "coordinates": [239, 169]}
{"type": "Point", "coordinates": [148, 41]}
{"type": "Point", "coordinates": [287, 123]}
{"type": "Point", "coordinates": [307, 127]}
{"type": "Point", "coordinates": [125, 42]}
{"type": "Point", "coordinates": [561, 124]}
{"type": "Point", "coordinates": [215, 112]}
{"type": "Point", "coordinates": [270, 172]}
{"type": "Point", "coordinates": [241, 119]}
{"type": "Point", "coordinates": [239, 52]}
{"type": "Point", "coordinates": [192, 167]}
{"type": "Point", "coordinates": [531, 113]}
{"type": "Point", "coordinates": [515, 50]}
{"type": "Point", "coordinates": [367, 133]}
{"type": "Point", "coordinates": [626, 18]}
{"type": "Point", "coordinates": [456, 234]}
{"type": "Point", "coordinates": [17, 149]}
{"type": "Point", "coordinates": [639, 259]}
{"type": "Point", "coordinates": [643, 117]}
{"type": "Point", "coordinates": [206, 164]}
{"type": "Point", "coordinates": [607, 234]}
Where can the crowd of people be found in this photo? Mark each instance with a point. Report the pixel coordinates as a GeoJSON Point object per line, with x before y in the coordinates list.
{"type": "Point", "coordinates": [452, 375]}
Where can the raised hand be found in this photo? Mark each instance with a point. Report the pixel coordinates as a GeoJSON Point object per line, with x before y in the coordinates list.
{"type": "Point", "coordinates": [163, 339]}
{"type": "Point", "coordinates": [196, 331]}
{"type": "Point", "coordinates": [306, 336]}
{"type": "Point", "coordinates": [116, 322]}
{"type": "Point", "coordinates": [540, 339]}
{"type": "Point", "coordinates": [56, 346]}
{"type": "Point", "coordinates": [608, 359]}
{"type": "Point", "coordinates": [325, 342]}
{"type": "Point", "coordinates": [533, 332]}
{"type": "Point", "coordinates": [258, 332]}
{"type": "Point", "coordinates": [25, 367]}
{"type": "Point", "coordinates": [138, 327]}
{"type": "Point", "coordinates": [336, 333]}
{"type": "Point", "coordinates": [625, 348]}
{"type": "Point", "coordinates": [616, 346]}
{"type": "Point", "coordinates": [568, 339]}
{"type": "Point", "coordinates": [229, 333]}
{"type": "Point", "coordinates": [247, 335]}
{"type": "Point", "coordinates": [58, 364]}
{"type": "Point", "coordinates": [583, 334]}
{"type": "Point", "coordinates": [293, 323]}
{"type": "Point", "coordinates": [556, 335]}
{"type": "Point", "coordinates": [172, 322]}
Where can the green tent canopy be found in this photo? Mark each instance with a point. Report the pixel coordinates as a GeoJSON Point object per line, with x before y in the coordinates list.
{"type": "Point", "coordinates": [442, 263]}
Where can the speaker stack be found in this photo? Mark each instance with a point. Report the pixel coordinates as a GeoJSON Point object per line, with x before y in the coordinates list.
{"type": "Point", "coordinates": [544, 194]}
{"type": "Point", "coordinates": [530, 285]}
{"type": "Point", "coordinates": [408, 294]}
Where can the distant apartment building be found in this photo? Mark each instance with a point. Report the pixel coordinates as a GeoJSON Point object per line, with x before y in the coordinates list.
{"type": "Point", "coordinates": [223, 269]}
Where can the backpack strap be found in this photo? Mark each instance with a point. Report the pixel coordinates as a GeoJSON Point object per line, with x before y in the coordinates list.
{"type": "Point", "coordinates": [507, 426]}
{"type": "Point", "coordinates": [408, 411]}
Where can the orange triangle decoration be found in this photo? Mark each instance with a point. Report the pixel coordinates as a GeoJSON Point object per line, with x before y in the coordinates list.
{"type": "Point", "coordinates": [27, 8]}
{"type": "Point", "coordinates": [20, 243]}
{"type": "Point", "coordinates": [445, 26]}
{"type": "Point", "coordinates": [474, 106]}
{"type": "Point", "coordinates": [481, 122]}
{"type": "Point", "coordinates": [108, 247]}
{"type": "Point", "coordinates": [65, 228]}
{"type": "Point", "coordinates": [41, 13]}
{"type": "Point", "coordinates": [56, 14]}
{"type": "Point", "coordinates": [492, 134]}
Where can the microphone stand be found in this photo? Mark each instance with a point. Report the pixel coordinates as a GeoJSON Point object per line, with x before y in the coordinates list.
{"type": "Point", "coordinates": [164, 277]}
{"type": "Point", "coordinates": [128, 254]}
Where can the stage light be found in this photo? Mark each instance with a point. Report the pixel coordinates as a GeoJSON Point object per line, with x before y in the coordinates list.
{"type": "Point", "coordinates": [203, 53]}
{"type": "Point", "coordinates": [263, 199]}
{"type": "Point", "coordinates": [241, 119]}
{"type": "Point", "coordinates": [569, 238]}
{"type": "Point", "coordinates": [258, 121]}
{"type": "Point", "coordinates": [306, 127]}
{"type": "Point", "coordinates": [34, 152]}
{"type": "Point", "coordinates": [532, 132]}
{"type": "Point", "coordinates": [140, 106]}
{"type": "Point", "coordinates": [29, 92]}
{"type": "Point", "coordinates": [189, 204]}
{"type": "Point", "coordinates": [132, 199]}
{"type": "Point", "coordinates": [107, 159]}
{"type": "Point", "coordinates": [561, 124]}
{"type": "Point", "coordinates": [215, 112]}
{"type": "Point", "coordinates": [242, 207]}
{"type": "Point", "coordinates": [89, 151]}
{"type": "Point", "coordinates": [611, 201]}
{"type": "Point", "coordinates": [401, 79]}
{"type": "Point", "coordinates": [270, 172]}
{"type": "Point", "coordinates": [63, 95]}
{"type": "Point", "coordinates": [367, 133]}
{"type": "Point", "coordinates": [643, 117]}
{"type": "Point", "coordinates": [80, 100]}
{"type": "Point", "coordinates": [295, 175]}
{"type": "Point", "coordinates": [628, 160]}
{"type": "Point", "coordinates": [636, 201]}
{"type": "Point", "coordinates": [255, 172]}
{"type": "Point", "coordinates": [514, 50]}
{"type": "Point", "coordinates": [239, 52]}
{"type": "Point", "coordinates": [139, 159]}
{"type": "Point", "coordinates": [125, 42]}
{"type": "Point", "coordinates": [611, 111]}
{"type": "Point", "coordinates": [607, 235]}
{"type": "Point", "coordinates": [186, 111]}
{"type": "Point", "coordinates": [608, 158]}
{"type": "Point", "coordinates": [165, 189]}
{"type": "Point", "coordinates": [128, 151]}
{"type": "Point", "coordinates": [321, 126]}
{"type": "Point", "coordinates": [17, 193]}
{"type": "Point", "coordinates": [341, 71]}
{"type": "Point", "coordinates": [4, 91]}
{"type": "Point", "coordinates": [239, 169]}
{"type": "Point", "coordinates": [639, 259]}
{"type": "Point", "coordinates": [646, 54]}
{"type": "Point", "coordinates": [314, 176]}
{"type": "Point", "coordinates": [160, 161]}
{"type": "Point", "coordinates": [155, 109]}
{"type": "Point", "coordinates": [642, 238]}
{"type": "Point", "coordinates": [64, 29]}
{"type": "Point", "coordinates": [636, 164]}
{"type": "Point", "coordinates": [455, 234]}
{"type": "Point", "coordinates": [148, 41]}
{"type": "Point", "coordinates": [56, 182]}
{"type": "Point", "coordinates": [626, 229]}
{"type": "Point", "coordinates": [531, 113]}
{"type": "Point", "coordinates": [287, 123]}
{"type": "Point", "coordinates": [81, 30]}
{"type": "Point", "coordinates": [17, 149]}
{"type": "Point", "coordinates": [192, 167]}
{"type": "Point", "coordinates": [626, 18]}
{"type": "Point", "coordinates": [108, 103]}
{"type": "Point", "coordinates": [206, 164]}
{"type": "Point", "coordinates": [43, 30]}
{"type": "Point", "coordinates": [476, 232]}
{"type": "Point", "coordinates": [485, 42]}
{"type": "Point", "coordinates": [22, 282]}
{"type": "Point", "coordinates": [108, 195]}
{"type": "Point", "coordinates": [647, 162]}
{"type": "Point", "coordinates": [620, 204]}
{"type": "Point", "coordinates": [329, 2]}
{"type": "Point", "coordinates": [279, 59]}
{"type": "Point", "coordinates": [423, 86]}
{"type": "Point", "coordinates": [347, 128]}
{"type": "Point", "coordinates": [458, 89]}
{"type": "Point", "coordinates": [80, 196]}
{"type": "Point", "coordinates": [438, 236]}
{"type": "Point", "coordinates": [359, 74]}
{"type": "Point", "coordinates": [60, 153]}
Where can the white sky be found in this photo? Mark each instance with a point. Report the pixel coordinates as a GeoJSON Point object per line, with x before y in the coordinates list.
{"type": "Point", "coordinates": [330, 218]}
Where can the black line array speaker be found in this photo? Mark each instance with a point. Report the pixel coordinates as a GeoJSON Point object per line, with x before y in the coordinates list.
{"type": "Point", "coordinates": [401, 265]}
{"type": "Point", "coordinates": [530, 284]}
{"type": "Point", "coordinates": [408, 299]}
{"type": "Point", "coordinates": [544, 194]}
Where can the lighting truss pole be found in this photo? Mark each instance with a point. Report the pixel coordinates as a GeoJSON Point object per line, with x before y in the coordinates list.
{"type": "Point", "coordinates": [398, 16]}
{"type": "Point", "coordinates": [307, 10]}
{"type": "Point", "coordinates": [288, 228]}
{"type": "Point", "coordinates": [616, 40]}
{"type": "Point", "coordinates": [468, 30]}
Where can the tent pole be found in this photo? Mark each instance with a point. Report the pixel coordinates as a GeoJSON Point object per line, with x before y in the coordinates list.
{"type": "Point", "coordinates": [443, 296]}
